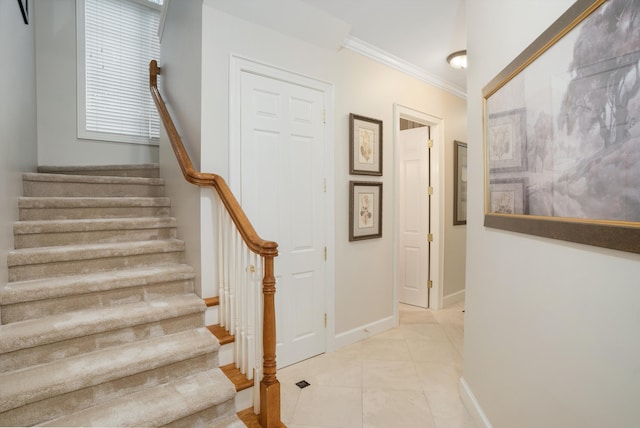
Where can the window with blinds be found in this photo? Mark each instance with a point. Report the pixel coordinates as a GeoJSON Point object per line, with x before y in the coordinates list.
{"type": "Point", "coordinates": [116, 41]}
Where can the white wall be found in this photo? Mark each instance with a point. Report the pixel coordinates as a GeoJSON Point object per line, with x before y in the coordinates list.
{"type": "Point", "coordinates": [55, 22]}
{"type": "Point", "coordinates": [18, 140]}
{"type": "Point", "coordinates": [364, 269]}
{"type": "Point", "coordinates": [551, 334]}
{"type": "Point", "coordinates": [179, 84]}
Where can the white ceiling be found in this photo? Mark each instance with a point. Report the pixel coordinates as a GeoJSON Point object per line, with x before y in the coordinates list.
{"type": "Point", "coordinates": [420, 32]}
{"type": "Point", "coordinates": [415, 36]}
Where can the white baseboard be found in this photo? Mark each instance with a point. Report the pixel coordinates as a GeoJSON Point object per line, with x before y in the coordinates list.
{"type": "Point", "coordinates": [360, 333]}
{"type": "Point", "coordinates": [472, 405]}
{"type": "Point", "coordinates": [452, 298]}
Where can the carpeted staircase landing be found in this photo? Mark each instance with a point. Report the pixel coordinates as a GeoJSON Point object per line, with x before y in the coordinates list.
{"type": "Point", "coordinates": [100, 323]}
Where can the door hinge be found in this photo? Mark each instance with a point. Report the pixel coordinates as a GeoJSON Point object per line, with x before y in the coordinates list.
{"type": "Point", "coordinates": [430, 284]}
{"type": "Point", "coordinates": [325, 320]}
{"type": "Point", "coordinates": [325, 254]}
{"type": "Point", "coordinates": [430, 144]}
{"type": "Point", "coordinates": [325, 185]}
{"type": "Point", "coordinates": [430, 237]}
{"type": "Point", "coordinates": [324, 116]}
{"type": "Point", "coordinates": [430, 190]}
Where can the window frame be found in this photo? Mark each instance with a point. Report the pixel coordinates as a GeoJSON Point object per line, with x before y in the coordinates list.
{"type": "Point", "coordinates": [82, 132]}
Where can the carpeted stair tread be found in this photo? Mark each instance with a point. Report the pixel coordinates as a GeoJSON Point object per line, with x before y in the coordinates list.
{"type": "Point", "coordinates": [36, 383]}
{"type": "Point", "coordinates": [90, 179]}
{"type": "Point", "coordinates": [87, 225]}
{"type": "Point", "coordinates": [142, 170]}
{"type": "Point", "coordinates": [161, 405]}
{"type": "Point", "coordinates": [89, 202]}
{"type": "Point", "coordinates": [44, 233]}
{"type": "Point", "coordinates": [37, 184]}
{"type": "Point", "coordinates": [50, 288]}
{"type": "Point", "coordinates": [55, 328]}
{"type": "Point", "coordinates": [31, 256]}
{"type": "Point", "coordinates": [51, 208]}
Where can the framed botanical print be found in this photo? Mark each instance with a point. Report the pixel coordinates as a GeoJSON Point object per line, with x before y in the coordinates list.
{"type": "Point", "coordinates": [365, 145]}
{"type": "Point", "coordinates": [365, 210]}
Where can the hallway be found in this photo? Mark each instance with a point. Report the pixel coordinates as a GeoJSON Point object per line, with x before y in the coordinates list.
{"type": "Point", "coordinates": [406, 377]}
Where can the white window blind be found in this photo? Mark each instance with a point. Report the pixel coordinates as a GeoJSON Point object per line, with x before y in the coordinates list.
{"type": "Point", "coordinates": [120, 38]}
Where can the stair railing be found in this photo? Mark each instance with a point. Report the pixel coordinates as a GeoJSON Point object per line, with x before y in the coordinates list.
{"type": "Point", "coordinates": [242, 257]}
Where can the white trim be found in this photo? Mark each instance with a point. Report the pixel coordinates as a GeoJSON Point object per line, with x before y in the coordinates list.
{"type": "Point", "coordinates": [363, 332]}
{"type": "Point", "coordinates": [472, 405]}
{"type": "Point", "coordinates": [399, 64]}
{"type": "Point", "coordinates": [437, 205]}
{"type": "Point", "coordinates": [237, 65]}
{"type": "Point", "coordinates": [452, 298]}
{"type": "Point", "coordinates": [163, 18]}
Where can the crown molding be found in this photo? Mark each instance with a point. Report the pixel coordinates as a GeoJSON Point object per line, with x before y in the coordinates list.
{"type": "Point", "coordinates": [384, 57]}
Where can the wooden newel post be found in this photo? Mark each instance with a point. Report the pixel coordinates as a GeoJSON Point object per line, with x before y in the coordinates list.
{"type": "Point", "coordinates": [269, 386]}
{"type": "Point", "coordinates": [154, 70]}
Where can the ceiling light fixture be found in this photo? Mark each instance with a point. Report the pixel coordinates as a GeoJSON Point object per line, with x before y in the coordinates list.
{"type": "Point", "coordinates": [458, 59]}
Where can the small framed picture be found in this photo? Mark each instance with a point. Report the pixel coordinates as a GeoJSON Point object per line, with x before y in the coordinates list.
{"type": "Point", "coordinates": [365, 145]}
{"type": "Point", "coordinates": [365, 210]}
{"type": "Point", "coordinates": [459, 183]}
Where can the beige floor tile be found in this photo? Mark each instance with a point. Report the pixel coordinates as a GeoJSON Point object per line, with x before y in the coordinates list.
{"type": "Point", "coordinates": [432, 332]}
{"type": "Point", "coordinates": [407, 376]}
{"type": "Point", "coordinates": [434, 352]}
{"type": "Point", "coordinates": [383, 408]}
{"type": "Point", "coordinates": [329, 406]}
{"type": "Point", "coordinates": [289, 395]}
{"type": "Point", "coordinates": [416, 316]}
{"type": "Point", "coordinates": [448, 411]}
{"type": "Point", "coordinates": [439, 376]}
{"type": "Point", "coordinates": [326, 370]}
{"type": "Point", "coordinates": [397, 375]}
{"type": "Point", "coordinates": [384, 349]}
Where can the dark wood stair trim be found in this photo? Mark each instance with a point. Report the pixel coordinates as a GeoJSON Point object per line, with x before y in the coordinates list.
{"type": "Point", "coordinates": [211, 301]}
{"type": "Point", "coordinates": [239, 380]}
{"type": "Point", "coordinates": [221, 333]}
{"type": "Point", "coordinates": [250, 419]}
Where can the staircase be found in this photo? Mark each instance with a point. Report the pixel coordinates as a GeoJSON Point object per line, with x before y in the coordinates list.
{"type": "Point", "coordinates": [100, 325]}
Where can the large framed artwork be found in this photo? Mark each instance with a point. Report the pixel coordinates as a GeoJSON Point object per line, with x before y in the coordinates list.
{"type": "Point", "coordinates": [562, 131]}
{"type": "Point", "coordinates": [365, 210]}
{"type": "Point", "coordinates": [365, 145]}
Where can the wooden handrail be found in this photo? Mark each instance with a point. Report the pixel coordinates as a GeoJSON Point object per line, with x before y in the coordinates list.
{"type": "Point", "coordinates": [248, 233]}
{"type": "Point", "coordinates": [269, 385]}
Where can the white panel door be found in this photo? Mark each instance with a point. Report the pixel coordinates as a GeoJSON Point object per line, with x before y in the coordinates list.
{"type": "Point", "coordinates": [413, 246]}
{"type": "Point", "coordinates": [282, 191]}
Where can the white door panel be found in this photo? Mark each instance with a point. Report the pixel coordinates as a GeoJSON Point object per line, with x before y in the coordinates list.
{"type": "Point", "coordinates": [413, 251]}
{"type": "Point", "coordinates": [282, 191]}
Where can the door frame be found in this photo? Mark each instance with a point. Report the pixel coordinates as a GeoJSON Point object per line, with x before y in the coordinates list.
{"type": "Point", "coordinates": [437, 202]}
{"type": "Point", "coordinates": [239, 65]}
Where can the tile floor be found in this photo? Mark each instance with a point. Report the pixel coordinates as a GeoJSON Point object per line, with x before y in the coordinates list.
{"type": "Point", "coordinates": [405, 377]}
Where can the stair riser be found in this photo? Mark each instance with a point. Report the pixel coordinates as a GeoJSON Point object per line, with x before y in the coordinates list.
{"type": "Point", "coordinates": [42, 308]}
{"type": "Point", "coordinates": [68, 348]}
{"type": "Point", "coordinates": [75, 267]}
{"type": "Point", "coordinates": [74, 401]}
{"type": "Point", "coordinates": [203, 419]}
{"type": "Point", "coordinates": [33, 214]}
{"type": "Point", "coordinates": [34, 240]}
{"type": "Point", "coordinates": [95, 190]}
{"type": "Point", "coordinates": [149, 172]}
